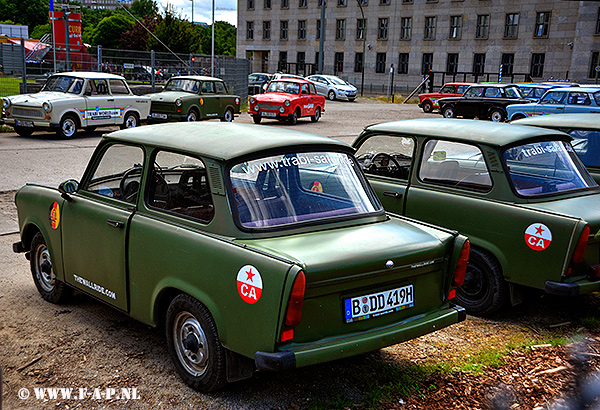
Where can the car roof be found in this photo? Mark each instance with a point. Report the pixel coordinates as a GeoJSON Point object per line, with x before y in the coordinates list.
{"type": "Point", "coordinates": [220, 141]}
{"type": "Point", "coordinates": [196, 77]}
{"type": "Point", "coordinates": [580, 89]}
{"type": "Point", "coordinates": [469, 131]}
{"type": "Point", "coordinates": [293, 80]}
{"type": "Point", "coordinates": [453, 83]}
{"type": "Point", "coordinates": [580, 121]}
{"type": "Point", "coordinates": [89, 74]}
{"type": "Point", "coordinates": [498, 85]}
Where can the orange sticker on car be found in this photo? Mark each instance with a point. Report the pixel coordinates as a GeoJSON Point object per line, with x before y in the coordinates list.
{"type": "Point", "coordinates": [249, 284]}
{"type": "Point", "coordinates": [538, 236]}
{"type": "Point", "coordinates": [54, 215]}
{"type": "Point", "coordinates": [317, 187]}
{"type": "Point", "coordinates": [201, 101]}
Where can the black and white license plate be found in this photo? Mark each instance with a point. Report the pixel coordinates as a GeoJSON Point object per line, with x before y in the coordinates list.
{"type": "Point", "coordinates": [24, 123]}
{"type": "Point", "coordinates": [380, 303]}
{"type": "Point", "coordinates": [268, 114]}
{"type": "Point", "coordinates": [159, 116]}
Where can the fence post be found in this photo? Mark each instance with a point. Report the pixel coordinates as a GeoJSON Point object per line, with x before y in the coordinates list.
{"type": "Point", "coordinates": [24, 67]}
{"type": "Point", "coordinates": [152, 62]}
{"type": "Point", "coordinates": [99, 59]}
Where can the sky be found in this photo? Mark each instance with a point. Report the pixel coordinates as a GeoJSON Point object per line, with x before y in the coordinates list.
{"type": "Point", "coordinates": [225, 10]}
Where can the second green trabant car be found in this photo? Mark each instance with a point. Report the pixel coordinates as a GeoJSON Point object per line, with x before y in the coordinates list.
{"type": "Point", "coordinates": [193, 98]}
{"type": "Point", "coordinates": [254, 248]}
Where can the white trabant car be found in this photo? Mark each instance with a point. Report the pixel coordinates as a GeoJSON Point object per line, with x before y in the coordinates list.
{"type": "Point", "coordinates": [74, 100]}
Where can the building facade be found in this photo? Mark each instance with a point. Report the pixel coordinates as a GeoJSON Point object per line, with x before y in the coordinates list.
{"type": "Point", "coordinates": [530, 40]}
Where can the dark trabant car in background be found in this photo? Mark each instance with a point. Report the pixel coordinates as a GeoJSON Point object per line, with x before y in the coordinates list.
{"type": "Point", "coordinates": [193, 98]}
{"type": "Point", "coordinates": [429, 101]}
{"type": "Point", "coordinates": [254, 247]}
{"type": "Point", "coordinates": [484, 101]}
{"type": "Point", "coordinates": [522, 196]}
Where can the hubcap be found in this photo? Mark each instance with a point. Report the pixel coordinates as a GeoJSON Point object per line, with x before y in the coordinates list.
{"type": "Point", "coordinates": [43, 268]}
{"type": "Point", "coordinates": [191, 116]}
{"type": "Point", "coordinates": [68, 127]}
{"type": "Point", "coordinates": [190, 344]}
{"type": "Point", "coordinates": [131, 122]}
{"type": "Point", "coordinates": [496, 116]}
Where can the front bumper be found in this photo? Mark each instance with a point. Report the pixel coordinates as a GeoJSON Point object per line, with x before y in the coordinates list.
{"type": "Point", "coordinates": [304, 354]}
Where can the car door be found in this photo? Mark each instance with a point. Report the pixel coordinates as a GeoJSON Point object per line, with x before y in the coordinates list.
{"type": "Point", "coordinates": [320, 84]}
{"type": "Point", "coordinates": [210, 100]}
{"type": "Point", "coordinates": [96, 221]}
{"type": "Point", "coordinates": [308, 104]}
{"type": "Point", "coordinates": [123, 99]}
{"type": "Point", "coordinates": [222, 98]}
{"type": "Point", "coordinates": [99, 104]}
{"type": "Point", "coordinates": [469, 106]}
{"type": "Point", "coordinates": [553, 102]}
{"type": "Point", "coordinates": [579, 102]}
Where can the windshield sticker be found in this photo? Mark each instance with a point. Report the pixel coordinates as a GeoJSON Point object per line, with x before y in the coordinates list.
{"type": "Point", "coordinates": [54, 215]}
{"type": "Point", "coordinates": [249, 284]}
{"type": "Point", "coordinates": [317, 187]}
{"type": "Point", "coordinates": [537, 149]}
{"type": "Point", "coordinates": [538, 236]}
{"type": "Point", "coordinates": [297, 160]}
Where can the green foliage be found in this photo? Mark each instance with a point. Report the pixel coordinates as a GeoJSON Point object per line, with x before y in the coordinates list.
{"type": "Point", "coordinates": [110, 30]}
{"type": "Point", "coordinates": [144, 8]}
{"type": "Point", "coordinates": [175, 33]}
{"type": "Point", "coordinates": [39, 31]}
{"type": "Point", "coordinates": [29, 13]}
{"type": "Point", "coordinates": [225, 38]}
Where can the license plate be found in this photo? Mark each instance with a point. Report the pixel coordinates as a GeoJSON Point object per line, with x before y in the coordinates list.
{"type": "Point", "coordinates": [268, 114]}
{"type": "Point", "coordinates": [378, 304]}
{"type": "Point", "coordinates": [159, 116]}
{"type": "Point", "coordinates": [24, 123]}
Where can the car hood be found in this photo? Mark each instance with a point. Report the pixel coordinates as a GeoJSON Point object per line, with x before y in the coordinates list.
{"type": "Point", "coordinates": [274, 97]}
{"type": "Point", "coordinates": [38, 99]}
{"type": "Point", "coordinates": [170, 96]}
{"type": "Point", "coordinates": [345, 87]}
{"type": "Point", "coordinates": [359, 249]}
{"type": "Point", "coordinates": [586, 207]}
{"type": "Point", "coordinates": [521, 107]}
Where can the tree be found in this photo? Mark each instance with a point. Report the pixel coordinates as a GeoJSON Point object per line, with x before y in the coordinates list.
{"type": "Point", "coordinates": [29, 13]}
{"type": "Point", "coordinates": [39, 31]}
{"type": "Point", "coordinates": [225, 38]}
{"type": "Point", "coordinates": [110, 30]}
{"type": "Point", "coordinates": [137, 37]}
{"type": "Point", "coordinates": [144, 8]}
{"type": "Point", "coordinates": [179, 35]}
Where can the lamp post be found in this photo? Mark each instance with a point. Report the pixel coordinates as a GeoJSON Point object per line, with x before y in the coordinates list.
{"type": "Point", "coordinates": [192, 11]}
{"type": "Point", "coordinates": [212, 55]}
{"type": "Point", "coordinates": [364, 55]}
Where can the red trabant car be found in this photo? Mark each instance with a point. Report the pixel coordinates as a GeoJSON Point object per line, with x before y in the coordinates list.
{"type": "Point", "coordinates": [287, 99]}
{"type": "Point", "coordinates": [428, 101]}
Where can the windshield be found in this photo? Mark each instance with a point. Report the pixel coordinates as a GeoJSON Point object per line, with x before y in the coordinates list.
{"type": "Point", "coordinates": [283, 87]}
{"type": "Point", "coordinates": [337, 81]}
{"type": "Point", "coordinates": [257, 77]}
{"type": "Point", "coordinates": [546, 168]}
{"type": "Point", "coordinates": [292, 188]}
{"type": "Point", "coordinates": [587, 146]}
{"type": "Point", "coordinates": [190, 86]}
{"type": "Point", "coordinates": [65, 84]}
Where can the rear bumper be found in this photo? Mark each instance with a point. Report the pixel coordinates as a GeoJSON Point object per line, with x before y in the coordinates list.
{"type": "Point", "coordinates": [572, 288]}
{"type": "Point", "coordinates": [299, 355]}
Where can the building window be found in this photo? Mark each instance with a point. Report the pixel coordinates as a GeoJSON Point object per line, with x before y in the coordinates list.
{"type": "Point", "coordinates": [301, 29]}
{"type": "Point", "coordinates": [382, 29]}
{"type": "Point", "coordinates": [267, 4]}
{"type": "Point", "coordinates": [302, 4]}
{"type": "Point", "coordinates": [301, 57]}
{"type": "Point", "coordinates": [507, 63]}
{"type": "Point", "coordinates": [405, 28]}
{"type": "Point", "coordinates": [483, 26]}
{"type": "Point", "coordinates": [384, 2]}
{"type": "Point", "coordinates": [250, 4]}
{"type": "Point", "coordinates": [407, 1]}
{"type": "Point", "coordinates": [595, 62]}
{"type": "Point", "coordinates": [403, 63]}
{"type": "Point", "coordinates": [452, 63]}
{"type": "Point", "coordinates": [455, 27]}
{"type": "Point", "coordinates": [380, 62]}
{"type": "Point", "coordinates": [340, 29]}
{"type": "Point", "coordinates": [542, 24]}
{"type": "Point", "coordinates": [511, 26]}
{"type": "Point", "coordinates": [319, 29]}
{"type": "Point", "coordinates": [358, 62]}
{"type": "Point", "coordinates": [360, 29]}
{"type": "Point", "coordinates": [320, 3]}
{"type": "Point", "coordinates": [249, 30]}
{"type": "Point", "coordinates": [537, 64]}
{"type": "Point", "coordinates": [363, 2]}
{"type": "Point", "coordinates": [285, 4]}
{"type": "Point", "coordinates": [598, 22]}
{"type": "Point", "coordinates": [427, 63]}
{"type": "Point", "coordinates": [429, 28]}
{"type": "Point", "coordinates": [342, 3]}
{"type": "Point", "coordinates": [266, 30]}
{"type": "Point", "coordinates": [479, 63]}
{"type": "Point", "coordinates": [283, 30]}
{"type": "Point", "coordinates": [317, 58]}
{"type": "Point", "coordinates": [282, 59]}
{"type": "Point", "coordinates": [338, 62]}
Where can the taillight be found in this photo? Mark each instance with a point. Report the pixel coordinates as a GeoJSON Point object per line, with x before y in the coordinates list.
{"type": "Point", "coordinates": [294, 307]}
{"type": "Point", "coordinates": [461, 265]}
{"type": "Point", "coordinates": [581, 244]}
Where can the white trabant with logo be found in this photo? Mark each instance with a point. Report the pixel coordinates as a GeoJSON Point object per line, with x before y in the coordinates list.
{"type": "Point", "coordinates": [74, 100]}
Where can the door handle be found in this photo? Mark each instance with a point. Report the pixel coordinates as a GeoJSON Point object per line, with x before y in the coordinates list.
{"type": "Point", "coordinates": [110, 99]}
{"type": "Point", "coordinates": [115, 224]}
{"type": "Point", "coordinates": [393, 194]}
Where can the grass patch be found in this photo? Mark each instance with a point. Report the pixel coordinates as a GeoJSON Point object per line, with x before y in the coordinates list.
{"type": "Point", "coordinates": [6, 128]}
{"type": "Point", "coordinates": [10, 85]}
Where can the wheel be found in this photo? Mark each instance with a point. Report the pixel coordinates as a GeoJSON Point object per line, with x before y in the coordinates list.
{"type": "Point", "coordinates": [194, 344]}
{"type": "Point", "coordinates": [256, 119]}
{"type": "Point", "coordinates": [192, 115]}
{"type": "Point", "coordinates": [331, 95]}
{"type": "Point", "coordinates": [23, 131]}
{"type": "Point", "coordinates": [448, 112]}
{"type": "Point", "coordinates": [497, 115]}
{"type": "Point", "coordinates": [67, 128]}
{"type": "Point", "coordinates": [228, 116]}
{"type": "Point", "coordinates": [90, 129]}
{"type": "Point", "coordinates": [315, 118]}
{"type": "Point", "coordinates": [427, 106]}
{"type": "Point", "coordinates": [484, 291]}
{"type": "Point", "coordinates": [49, 287]}
{"type": "Point", "coordinates": [130, 121]}
{"type": "Point", "coordinates": [293, 119]}
{"type": "Point", "coordinates": [351, 99]}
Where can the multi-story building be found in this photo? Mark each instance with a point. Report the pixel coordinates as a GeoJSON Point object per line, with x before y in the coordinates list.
{"type": "Point", "coordinates": [105, 4]}
{"type": "Point", "coordinates": [553, 39]}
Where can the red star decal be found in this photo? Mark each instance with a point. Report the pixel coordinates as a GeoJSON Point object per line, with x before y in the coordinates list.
{"type": "Point", "coordinates": [250, 275]}
{"type": "Point", "coordinates": [538, 230]}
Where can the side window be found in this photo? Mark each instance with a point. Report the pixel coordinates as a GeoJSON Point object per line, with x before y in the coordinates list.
{"type": "Point", "coordinates": [461, 89]}
{"type": "Point", "coordinates": [305, 89]}
{"type": "Point", "coordinates": [492, 92]}
{"type": "Point", "coordinates": [313, 89]}
{"type": "Point", "coordinates": [579, 98]}
{"type": "Point", "coordinates": [386, 155]}
{"type": "Point", "coordinates": [553, 97]}
{"type": "Point", "coordinates": [454, 164]}
{"type": "Point", "coordinates": [118, 87]}
{"type": "Point", "coordinates": [117, 174]}
{"type": "Point", "coordinates": [447, 89]}
{"type": "Point", "coordinates": [101, 87]}
{"type": "Point", "coordinates": [474, 92]}
{"type": "Point", "coordinates": [208, 87]}
{"type": "Point", "coordinates": [179, 184]}
{"type": "Point", "coordinates": [220, 87]}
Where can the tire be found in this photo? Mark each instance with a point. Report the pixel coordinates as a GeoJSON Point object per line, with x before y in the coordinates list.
{"type": "Point", "coordinates": [194, 344]}
{"type": "Point", "coordinates": [256, 119]}
{"type": "Point", "coordinates": [351, 99]}
{"type": "Point", "coordinates": [293, 119]}
{"type": "Point", "coordinates": [497, 115]}
{"type": "Point", "coordinates": [427, 106]}
{"type": "Point", "coordinates": [67, 128]}
{"type": "Point", "coordinates": [23, 131]}
{"type": "Point", "coordinates": [46, 283]}
{"type": "Point", "coordinates": [192, 115]}
{"type": "Point", "coordinates": [331, 95]}
{"type": "Point", "coordinates": [228, 116]}
{"type": "Point", "coordinates": [517, 117]}
{"type": "Point", "coordinates": [130, 121]}
{"type": "Point", "coordinates": [448, 112]}
{"type": "Point", "coordinates": [484, 291]}
{"type": "Point", "coordinates": [317, 116]}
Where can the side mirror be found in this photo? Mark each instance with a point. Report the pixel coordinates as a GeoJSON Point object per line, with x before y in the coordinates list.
{"type": "Point", "coordinates": [68, 187]}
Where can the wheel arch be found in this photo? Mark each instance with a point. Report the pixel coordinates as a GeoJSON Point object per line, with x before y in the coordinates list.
{"type": "Point", "coordinates": [73, 114]}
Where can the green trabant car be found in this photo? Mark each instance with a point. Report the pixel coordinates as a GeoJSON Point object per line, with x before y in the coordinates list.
{"type": "Point", "coordinates": [193, 98]}
{"type": "Point", "coordinates": [522, 196]}
{"type": "Point", "coordinates": [269, 254]}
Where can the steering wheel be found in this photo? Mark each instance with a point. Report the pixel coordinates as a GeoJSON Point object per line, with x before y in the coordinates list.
{"type": "Point", "coordinates": [129, 190]}
{"type": "Point", "coordinates": [382, 160]}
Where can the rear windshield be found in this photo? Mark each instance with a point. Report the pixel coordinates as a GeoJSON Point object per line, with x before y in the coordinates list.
{"type": "Point", "coordinates": [546, 168]}
{"type": "Point", "coordinates": [309, 186]}
{"type": "Point", "coordinates": [187, 85]}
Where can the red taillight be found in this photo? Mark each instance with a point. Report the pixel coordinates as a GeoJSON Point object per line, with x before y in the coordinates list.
{"type": "Point", "coordinates": [294, 307]}
{"type": "Point", "coordinates": [461, 265]}
{"type": "Point", "coordinates": [581, 244]}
